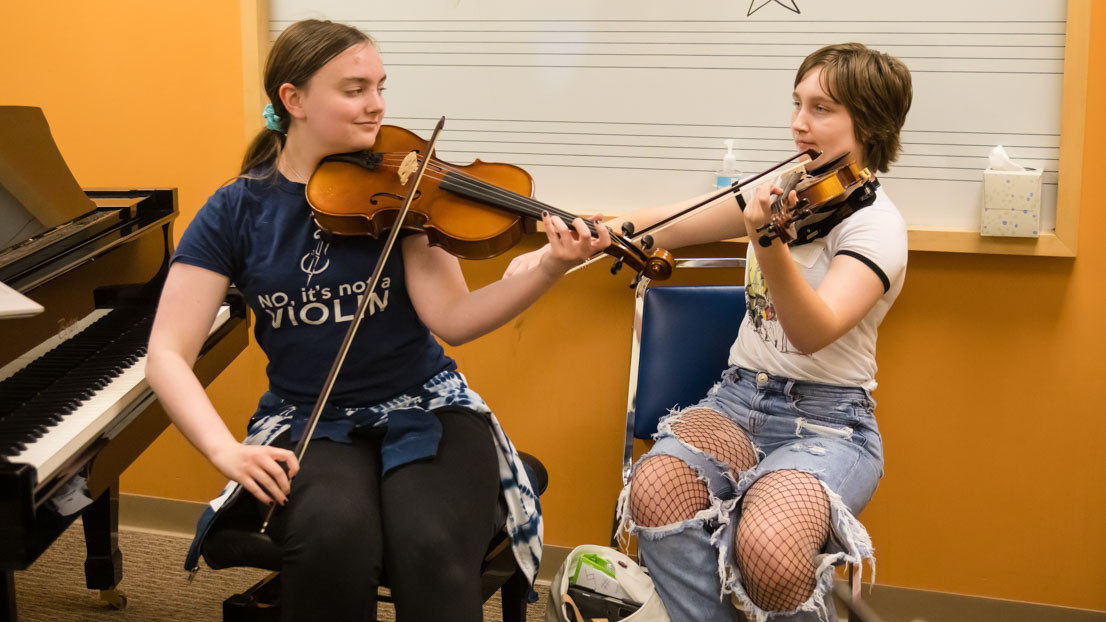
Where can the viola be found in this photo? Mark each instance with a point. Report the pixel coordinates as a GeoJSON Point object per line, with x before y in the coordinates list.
{"type": "Point", "coordinates": [834, 190]}
{"type": "Point", "coordinates": [475, 211]}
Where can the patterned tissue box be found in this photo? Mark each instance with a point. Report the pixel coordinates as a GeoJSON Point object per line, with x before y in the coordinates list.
{"type": "Point", "coordinates": [1011, 203]}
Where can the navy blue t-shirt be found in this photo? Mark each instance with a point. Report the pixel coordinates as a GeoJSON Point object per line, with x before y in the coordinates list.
{"type": "Point", "coordinates": [305, 287]}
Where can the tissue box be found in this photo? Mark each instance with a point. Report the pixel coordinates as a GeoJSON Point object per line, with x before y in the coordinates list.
{"type": "Point", "coordinates": [1011, 203]}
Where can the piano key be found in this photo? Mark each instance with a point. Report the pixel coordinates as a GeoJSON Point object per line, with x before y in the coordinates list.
{"type": "Point", "coordinates": [110, 408]}
{"type": "Point", "coordinates": [39, 351]}
{"type": "Point", "coordinates": [102, 347]}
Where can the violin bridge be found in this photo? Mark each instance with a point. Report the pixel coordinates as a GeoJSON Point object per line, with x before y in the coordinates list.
{"type": "Point", "coordinates": [409, 165]}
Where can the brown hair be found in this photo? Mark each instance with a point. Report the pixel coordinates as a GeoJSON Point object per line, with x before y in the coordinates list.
{"type": "Point", "coordinates": [874, 88]}
{"type": "Point", "coordinates": [301, 50]}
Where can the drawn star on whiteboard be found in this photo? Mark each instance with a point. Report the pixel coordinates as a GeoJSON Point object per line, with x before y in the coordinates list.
{"type": "Point", "coordinates": [756, 5]}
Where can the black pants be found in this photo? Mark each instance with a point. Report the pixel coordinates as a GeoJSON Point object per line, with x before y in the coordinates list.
{"type": "Point", "coordinates": [428, 523]}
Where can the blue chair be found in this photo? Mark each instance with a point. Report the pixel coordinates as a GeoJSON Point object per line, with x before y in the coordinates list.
{"type": "Point", "coordinates": [681, 345]}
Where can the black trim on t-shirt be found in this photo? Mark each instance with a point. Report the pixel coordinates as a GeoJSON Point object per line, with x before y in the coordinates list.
{"type": "Point", "coordinates": [871, 264]}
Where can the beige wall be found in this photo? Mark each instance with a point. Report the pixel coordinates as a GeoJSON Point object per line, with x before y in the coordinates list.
{"type": "Point", "coordinates": [990, 378]}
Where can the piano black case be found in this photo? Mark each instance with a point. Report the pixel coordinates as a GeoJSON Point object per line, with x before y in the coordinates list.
{"type": "Point", "coordinates": [80, 254]}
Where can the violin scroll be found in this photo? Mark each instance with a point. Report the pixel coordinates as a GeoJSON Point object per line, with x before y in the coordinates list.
{"type": "Point", "coordinates": [657, 264]}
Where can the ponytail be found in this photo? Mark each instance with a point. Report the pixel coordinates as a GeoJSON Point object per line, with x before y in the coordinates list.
{"type": "Point", "coordinates": [262, 153]}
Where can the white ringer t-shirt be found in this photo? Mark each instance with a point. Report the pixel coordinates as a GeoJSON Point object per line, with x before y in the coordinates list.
{"type": "Point", "coordinates": [875, 235]}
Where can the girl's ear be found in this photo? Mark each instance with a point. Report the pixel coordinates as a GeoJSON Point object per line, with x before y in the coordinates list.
{"type": "Point", "coordinates": [292, 99]}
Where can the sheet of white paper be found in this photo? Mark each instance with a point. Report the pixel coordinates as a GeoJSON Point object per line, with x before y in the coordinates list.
{"type": "Point", "coordinates": [14, 304]}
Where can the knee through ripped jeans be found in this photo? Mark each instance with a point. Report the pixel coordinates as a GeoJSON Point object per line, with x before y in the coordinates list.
{"type": "Point", "coordinates": [827, 431]}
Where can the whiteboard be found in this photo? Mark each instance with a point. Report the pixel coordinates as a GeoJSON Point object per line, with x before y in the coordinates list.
{"type": "Point", "coordinates": [617, 105]}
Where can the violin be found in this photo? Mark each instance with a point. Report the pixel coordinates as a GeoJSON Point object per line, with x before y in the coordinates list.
{"type": "Point", "coordinates": [836, 189]}
{"type": "Point", "coordinates": [475, 211]}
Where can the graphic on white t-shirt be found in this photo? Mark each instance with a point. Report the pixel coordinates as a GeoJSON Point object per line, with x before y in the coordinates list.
{"type": "Point", "coordinates": [761, 312]}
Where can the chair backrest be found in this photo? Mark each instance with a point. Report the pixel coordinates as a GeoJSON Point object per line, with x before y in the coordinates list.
{"type": "Point", "coordinates": [682, 338]}
{"type": "Point", "coordinates": [686, 333]}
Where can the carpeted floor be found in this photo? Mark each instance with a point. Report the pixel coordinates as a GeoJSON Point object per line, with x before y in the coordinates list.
{"type": "Point", "coordinates": [155, 583]}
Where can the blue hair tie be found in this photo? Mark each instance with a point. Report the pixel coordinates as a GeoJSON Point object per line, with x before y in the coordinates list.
{"type": "Point", "coordinates": [272, 119]}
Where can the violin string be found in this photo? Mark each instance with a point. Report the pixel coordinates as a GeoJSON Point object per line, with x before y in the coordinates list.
{"type": "Point", "coordinates": [522, 203]}
{"type": "Point", "coordinates": [497, 196]}
{"type": "Point", "coordinates": [525, 205]}
{"type": "Point", "coordinates": [528, 206]}
{"type": "Point", "coordinates": [505, 199]}
{"type": "Point", "coordinates": [566, 217]}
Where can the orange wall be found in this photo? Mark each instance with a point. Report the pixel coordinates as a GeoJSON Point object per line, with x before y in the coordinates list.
{"type": "Point", "coordinates": [989, 368]}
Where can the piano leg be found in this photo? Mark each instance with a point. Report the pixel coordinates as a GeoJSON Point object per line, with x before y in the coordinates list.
{"type": "Point", "coordinates": [8, 611]}
{"type": "Point", "coordinates": [103, 569]}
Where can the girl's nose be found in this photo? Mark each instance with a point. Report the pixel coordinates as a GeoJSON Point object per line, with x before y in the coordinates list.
{"type": "Point", "coordinates": [798, 121]}
{"type": "Point", "coordinates": [375, 103]}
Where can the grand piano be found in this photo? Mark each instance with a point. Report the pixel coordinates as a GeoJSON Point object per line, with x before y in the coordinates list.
{"type": "Point", "coordinates": [75, 408]}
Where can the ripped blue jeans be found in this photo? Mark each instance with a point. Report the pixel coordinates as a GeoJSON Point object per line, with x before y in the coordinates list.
{"type": "Point", "coordinates": [825, 430]}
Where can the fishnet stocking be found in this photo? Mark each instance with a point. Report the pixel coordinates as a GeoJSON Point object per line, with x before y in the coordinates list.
{"type": "Point", "coordinates": [784, 524]}
{"type": "Point", "coordinates": [711, 432]}
{"type": "Point", "coordinates": [666, 490]}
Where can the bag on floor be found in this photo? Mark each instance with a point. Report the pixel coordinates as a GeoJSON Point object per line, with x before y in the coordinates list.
{"type": "Point", "coordinates": [599, 583]}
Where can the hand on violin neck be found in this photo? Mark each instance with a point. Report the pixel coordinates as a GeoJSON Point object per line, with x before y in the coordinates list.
{"type": "Point", "coordinates": [569, 246]}
{"type": "Point", "coordinates": [768, 201]}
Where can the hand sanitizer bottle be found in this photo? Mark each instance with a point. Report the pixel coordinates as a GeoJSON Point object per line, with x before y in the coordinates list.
{"type": "Point", "coordinates": [728, 174]}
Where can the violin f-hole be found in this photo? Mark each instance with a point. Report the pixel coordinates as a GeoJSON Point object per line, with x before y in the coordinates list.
{"type": "Point", "coordinates": [375, 198]}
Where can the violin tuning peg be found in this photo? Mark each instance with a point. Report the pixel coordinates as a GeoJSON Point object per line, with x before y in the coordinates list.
{"type": "Point", "coordinates": [636, 280]}
{"type": "Point", "coordinates": [646, 242]}
{"type": "Point", "coordinates": [765, 241]}
{"type": "Point", "coordinates": [627, 228]}
{"type": "Point", "coordinates": [616, 266]}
